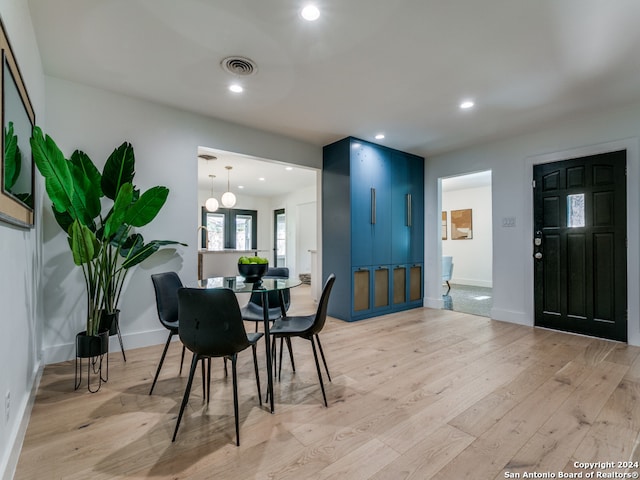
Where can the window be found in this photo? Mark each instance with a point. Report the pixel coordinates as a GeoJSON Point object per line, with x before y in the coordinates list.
{"type": "Point", "coordinates": [231, 228]}
{"type": "Point", "coordinates": [215, 230]}
{"type": "Point", "coordinates": [244, 232]}
{"type": "Point", "coordinates": [280, 230]}
{"type": "Point", "coordinates": [575, 210]}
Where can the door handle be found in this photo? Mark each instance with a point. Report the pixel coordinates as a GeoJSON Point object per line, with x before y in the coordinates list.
{"type": "Point", "coordinates": [408, 210]}
{"type": "Point", "coordinates": [538, 255]}
{"type": "Point", "coordinates": [373, 206]}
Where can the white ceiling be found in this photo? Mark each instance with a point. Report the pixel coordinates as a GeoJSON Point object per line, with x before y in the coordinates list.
{"type": "Point", "coordinates": [366, 66]}
{"type": "Point", "coordinates": [463, 182]}
{"type": "Point", "coordinates": [249, 175]}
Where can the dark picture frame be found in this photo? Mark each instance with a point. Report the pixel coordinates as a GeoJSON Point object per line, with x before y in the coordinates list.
{"type": "Point", "coordinates": [17, 170]}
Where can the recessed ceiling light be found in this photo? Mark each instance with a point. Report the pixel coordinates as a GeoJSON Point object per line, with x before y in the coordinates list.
{"type": "Point", "coordinates": [466, 104]}
{"type": "Point", "coordinates": [379, 136]}
{"type": "Point", "coordinates": [288, 168]}
{"type": "Point", "coordinates": [240, 187]}
{"type": "Point", "coordinates": [310, 13]}
{"type": "Point", "coordinates": [261, 179]}
{"type": "Point", "coordinates": [235, 88]}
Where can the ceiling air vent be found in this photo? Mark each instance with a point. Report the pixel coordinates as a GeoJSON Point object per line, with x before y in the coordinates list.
{"type": "Point", "coordinates": [241, 66]}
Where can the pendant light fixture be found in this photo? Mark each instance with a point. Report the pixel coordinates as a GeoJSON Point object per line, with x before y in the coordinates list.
{"type": "Point", "coordinates": [228, 198]}
{"type": "Point", "coordinates": [211, 204]}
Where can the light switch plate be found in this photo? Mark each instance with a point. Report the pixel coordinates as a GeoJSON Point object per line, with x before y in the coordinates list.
{"type": "Point", "coordinates": [508, 221]}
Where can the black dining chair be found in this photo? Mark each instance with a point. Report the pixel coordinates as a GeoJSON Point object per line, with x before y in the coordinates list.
{"type": "Point", "coordinates": [253, 311]}
{"type": "Point", "coordinates": [211, 326]}
{"type": "Point", "coordinates": [166, 286]}
{"type": "Point", "coordinates": [307, 327]}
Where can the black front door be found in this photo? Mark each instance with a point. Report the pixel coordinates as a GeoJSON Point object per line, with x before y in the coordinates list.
{"type": "Point", "coordinates": [580, 275]}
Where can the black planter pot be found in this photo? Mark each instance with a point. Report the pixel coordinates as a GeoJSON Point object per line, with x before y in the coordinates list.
{"type": "Point", "coordinates": [88, 346]}
{"type": "Point", "coordinates": [111, 322]}
{"type": "Point", "coordinates": [94, 348]}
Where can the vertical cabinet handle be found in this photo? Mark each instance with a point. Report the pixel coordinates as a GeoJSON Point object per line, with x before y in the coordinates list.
{"type": "Point", "coordinates": [373, 206]}
{"type": "Point", "coordinates": [409, 219]}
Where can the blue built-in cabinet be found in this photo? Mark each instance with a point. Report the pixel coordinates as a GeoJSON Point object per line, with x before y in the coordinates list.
{"type": "Point", "coordinates": [372, 228]}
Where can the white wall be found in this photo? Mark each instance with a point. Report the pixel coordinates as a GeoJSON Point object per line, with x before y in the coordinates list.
{"type": "Point", "coordinates": [472, 258]}
{"type": "Point", "coordinates": [511, 162]}
{"type": "Point", "coordinates": [165, 141]}
{"type": "Point", "coordinates": [21, 260]}
{"type": "Point", "coordinates": [297, 221]}
{"type": "Point", "coordinates": [306, 235]}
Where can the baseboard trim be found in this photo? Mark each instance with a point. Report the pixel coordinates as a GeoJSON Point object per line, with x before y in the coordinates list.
{"type": "Point", "coordinates": [510, 316]}
{"type": "Point", "coordinates": [16, 438]}
{"type": "Point", "coordinates": [472, 282]}
{"type": "Point", "coordinates": [433, 302]}
{"type": "Point", "coordinates": [64, 352]}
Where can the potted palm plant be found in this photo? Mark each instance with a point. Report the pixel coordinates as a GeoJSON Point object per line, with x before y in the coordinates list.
{"type": "Point", "coordinates": [100, 213]}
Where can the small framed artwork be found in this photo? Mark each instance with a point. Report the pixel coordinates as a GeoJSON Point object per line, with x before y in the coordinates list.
{"type": "Point", "coordinates": [444, 225]}
{"type": "Point", "coordinates": [461, 225]}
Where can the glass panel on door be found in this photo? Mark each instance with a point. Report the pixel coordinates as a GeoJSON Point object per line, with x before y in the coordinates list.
{"type": "Point", "coordinates": [243, 232]}
{"type": "Point", "coordinates": [280, 229]}
{"type": "Point", "coordinates": [215, 230]}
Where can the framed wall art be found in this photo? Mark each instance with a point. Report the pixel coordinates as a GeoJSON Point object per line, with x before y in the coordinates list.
{"type": "Point", "coordinates": [18, 119]}
{"type": "Point", "coordinates": [444, 225]}
{"type": "Point", "coordinates": [461, 225]}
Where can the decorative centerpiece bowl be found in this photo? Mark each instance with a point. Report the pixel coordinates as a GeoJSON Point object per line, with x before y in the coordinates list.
{"type": "Point", "coordinates": [253, 268]}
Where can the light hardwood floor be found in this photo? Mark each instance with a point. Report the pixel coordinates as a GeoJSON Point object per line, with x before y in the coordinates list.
{"type": "Point", "coordinates": [420, 394]}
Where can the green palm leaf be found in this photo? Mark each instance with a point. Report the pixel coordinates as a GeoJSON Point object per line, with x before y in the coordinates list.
{"type": "Point", "coordinates": [118, 170]}
{"type": "Point", "coordinates": [141, 253]}
{"type": "Point", "coordinates": [84, 244]}
{"type": "Point", "coordinates": [82, 161]}
{"type": "Point", "coordinates": [12, 158]}
{"type": "Point", "coordinates": [59, 180]}
{"type": "Point", "coordinates": [119, 211]}
{"type": "Point", "coordinates": [147, 206]}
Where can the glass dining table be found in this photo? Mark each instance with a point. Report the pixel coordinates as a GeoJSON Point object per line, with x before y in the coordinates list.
{"type": "Point", "coordinates": [238, 285]}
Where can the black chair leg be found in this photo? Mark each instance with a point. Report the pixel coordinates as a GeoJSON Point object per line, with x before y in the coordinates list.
{"type": "Point", "coordinates": [322, 355]}
{"type": "Point", "coordinates": [226, 373]}
{"type": "Point", "coordinates": [204, 383]}
{"type": "Point", "coordinates": [208, 379]}
{"type": "Point", "coordinates": [182, 359]}
{"type": "Point", "coordinates": [185, 399]}
{"type": "Point", "coordinates": [120, 339]}
{"type": "Point", "coordinates": [255, 365]}
{"type": "Point", "coordinates": [280, 359]}
{"type": "Point", "coordinates": [274, 350]}
{"type": "Point", "coordinates": [235, 396]}
{"type": "Point", "coordinates": [164, 353]}
{"type": "Point", "coordinates": [273, 363]}
{"type": "Point", "coordinates": [290, 348]}
{"type": "Point", "coordinates": [315, 356]}
{"type": "Point", "coordinates": [293, 364]}
{"type": "Point", "coordinates": [448, 287]}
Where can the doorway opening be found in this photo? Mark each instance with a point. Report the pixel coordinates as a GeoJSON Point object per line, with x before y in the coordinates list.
{"type": "Point", "coordinates": [467, 243]}
{"type": "Point", "coordinates": [279, 238]}
{"type": "Point", "coordinates": [264, 189]}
